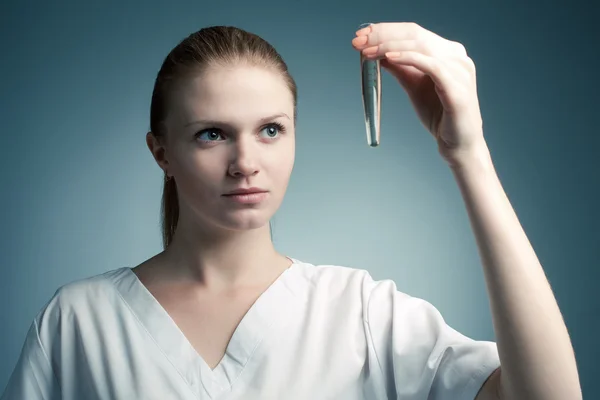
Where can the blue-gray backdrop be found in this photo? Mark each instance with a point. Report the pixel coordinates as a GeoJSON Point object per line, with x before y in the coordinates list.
{"type": "Point", "coordinates": [81, 192]}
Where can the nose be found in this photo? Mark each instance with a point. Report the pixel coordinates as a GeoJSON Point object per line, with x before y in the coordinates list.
{"type": "Point", "coordinates": [244, 160]}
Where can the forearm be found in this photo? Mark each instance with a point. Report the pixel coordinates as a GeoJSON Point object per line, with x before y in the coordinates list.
{"type": "Point", "coordinates": [533, 343]}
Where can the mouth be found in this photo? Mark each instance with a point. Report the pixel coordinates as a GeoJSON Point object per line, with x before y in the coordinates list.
{"type": "Point", "coordinates": [253, 197]}
{"type": "Point", "coordinates": [249, 191]}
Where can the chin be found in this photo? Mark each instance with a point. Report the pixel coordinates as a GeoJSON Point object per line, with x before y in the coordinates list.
{"type": "Point", "coordinates": [243, 220]}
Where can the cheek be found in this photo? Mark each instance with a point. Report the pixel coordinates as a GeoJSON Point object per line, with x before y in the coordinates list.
{"type": "Point", "coordinates": [281, 166]}
{"type": "Point", "coordinates": [202, 174]}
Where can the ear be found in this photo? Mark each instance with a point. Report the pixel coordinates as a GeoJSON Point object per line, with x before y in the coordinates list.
{"type": "Point", "coordinates": [157, 149]}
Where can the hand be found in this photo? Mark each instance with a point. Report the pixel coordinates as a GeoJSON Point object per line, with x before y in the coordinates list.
{"type": "Point", "coordinates": [438, 77]}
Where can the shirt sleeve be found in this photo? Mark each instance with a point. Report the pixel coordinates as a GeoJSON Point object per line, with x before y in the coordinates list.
{"type": "Point", "coordinates": [33, 377]}
{"type": "Point", "coordinates": [419, 355]}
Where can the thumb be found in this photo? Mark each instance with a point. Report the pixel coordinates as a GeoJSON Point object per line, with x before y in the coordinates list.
{"type": "Point", "coordinates": [407, 75]}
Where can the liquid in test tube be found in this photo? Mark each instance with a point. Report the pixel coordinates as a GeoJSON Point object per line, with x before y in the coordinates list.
{"type": "Point", "coordinates": [370, 71]}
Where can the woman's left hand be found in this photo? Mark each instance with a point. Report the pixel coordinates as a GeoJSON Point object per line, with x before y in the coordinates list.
{"type": "Point", "coordinates": [438, 77]}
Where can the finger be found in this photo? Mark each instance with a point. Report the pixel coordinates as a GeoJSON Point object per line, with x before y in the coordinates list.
{"type": "Point", "coordinates": [395, 32]}
{"type": "Point", "coordinates": [386, 31]}
{"type": "Point", "coordinates": [452, 56]}
{"type": "Point", "coordinates": [397, 45]}
{"type": "Point", "coordinates": [446, 49]}
{"type": "Point", "coordinates": [407, 75]}
{"type": "Point", "coordinates": [435, 68]}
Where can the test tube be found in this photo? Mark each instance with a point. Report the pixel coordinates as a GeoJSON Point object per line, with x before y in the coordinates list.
{"type": "Point", "coordinates": [370, 71]}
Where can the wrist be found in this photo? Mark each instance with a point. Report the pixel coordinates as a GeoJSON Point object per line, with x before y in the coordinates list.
{"type": "Point", "coordinates": [476, 156]}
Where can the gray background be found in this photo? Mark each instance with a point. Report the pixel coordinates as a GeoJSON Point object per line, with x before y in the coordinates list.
{"type": "Point", "coordinates": [81, 192]}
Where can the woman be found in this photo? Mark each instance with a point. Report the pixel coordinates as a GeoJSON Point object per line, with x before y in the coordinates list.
{"type": "Point", "coordinates": [221, 314]}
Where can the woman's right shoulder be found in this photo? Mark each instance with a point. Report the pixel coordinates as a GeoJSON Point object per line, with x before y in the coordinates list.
{"type": "Point", "coordinates": [77, 296]}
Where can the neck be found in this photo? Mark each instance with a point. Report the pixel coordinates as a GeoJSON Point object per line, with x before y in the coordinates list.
{"type": "Point", "coordinates": [225, 259]}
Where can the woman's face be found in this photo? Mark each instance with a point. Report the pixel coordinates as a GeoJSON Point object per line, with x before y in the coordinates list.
{"type": "Point", "coordinates": [230, 129]}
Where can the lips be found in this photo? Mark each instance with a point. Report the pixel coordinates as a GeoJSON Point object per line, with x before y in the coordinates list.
{"type": "Point", "coordinates": [245, 191]}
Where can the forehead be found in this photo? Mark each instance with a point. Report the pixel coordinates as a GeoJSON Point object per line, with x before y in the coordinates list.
{"type": "Point", "coordinates": [232, 93]}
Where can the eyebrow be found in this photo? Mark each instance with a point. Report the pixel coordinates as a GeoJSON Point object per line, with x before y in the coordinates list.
{"type": "Point", "coordinates": [215, 122]}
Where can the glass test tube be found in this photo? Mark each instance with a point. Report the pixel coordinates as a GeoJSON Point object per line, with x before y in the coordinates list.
{"type": "Point", "coordinates": [370, 71]}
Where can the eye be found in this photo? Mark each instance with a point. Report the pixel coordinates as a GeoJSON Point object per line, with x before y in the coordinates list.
{"type": "Point", "coordinates": [273, 128]}
{"type": "Point", "coordinates": [212, 134]}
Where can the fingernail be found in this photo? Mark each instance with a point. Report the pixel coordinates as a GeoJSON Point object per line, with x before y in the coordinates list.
{"type": "Point", "coordinates": [369, 51]}
{"type": "Point", "coordinates": [360, 41]}
{"type": "Point", "coordinates": [364, 29]}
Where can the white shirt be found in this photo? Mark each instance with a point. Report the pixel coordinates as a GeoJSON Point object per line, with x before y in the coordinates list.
{"type": "Point", "coordinates": [318, 332]}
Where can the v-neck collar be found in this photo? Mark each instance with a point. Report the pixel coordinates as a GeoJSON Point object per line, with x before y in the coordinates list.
{"type": "Point", "coordinates": [270, 311]}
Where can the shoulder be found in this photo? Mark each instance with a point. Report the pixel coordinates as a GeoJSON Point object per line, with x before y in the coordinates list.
{"type": "Point", "coordinates": [332, 277]}
{"type": "Point", "coordinates": [77, 297]}
{"type": "Point", "coordinates": [350, 282]}
{"type": "Point", "coordinates": [380, 299]}
{"type": "Point", "coordinates": [88, 288]}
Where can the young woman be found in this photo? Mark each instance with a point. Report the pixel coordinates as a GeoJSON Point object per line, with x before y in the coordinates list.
{"type": "Point", "coordinates": [220, 314]}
